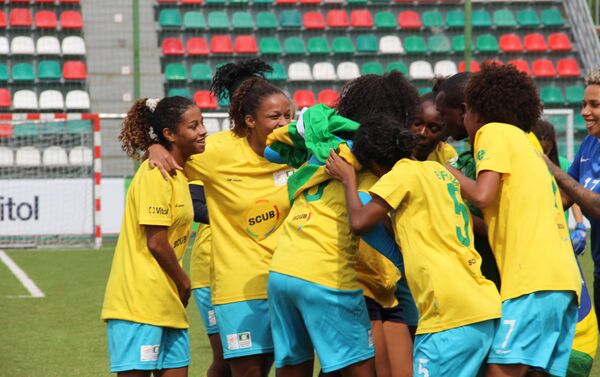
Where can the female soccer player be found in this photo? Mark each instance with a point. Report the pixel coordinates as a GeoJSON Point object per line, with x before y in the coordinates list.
{"type": "Point", "coordinates": [247, 201]}
{"type": "Point", "coordinates": [527, 231]}
{"type": "Point", "coordinates": [147, 291]}
{"type": "Point", "coordinates": [457, 305]}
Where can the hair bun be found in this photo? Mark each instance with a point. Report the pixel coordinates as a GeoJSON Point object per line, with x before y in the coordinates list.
{"type": "Point", "coordinates": [231, 75]}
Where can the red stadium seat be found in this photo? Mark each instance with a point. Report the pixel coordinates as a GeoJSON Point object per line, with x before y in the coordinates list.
{"type": "Point", "coordinates": [245, 44]}
{"type": "Point", "coordinates": [205, 100]}
{"type": "Point", "coordinates": [5, 98]}
{"type": "Point", "coordinates": [167, 1]}
{"type": "Point", "coordinates": [192, 2]}
{"type": "Point", "coordinates": [535, 42]}
{"type": "Point", "coordinates": [74, 70]}
{"type": "Point", "coordinates": [559, 42]}
{"type": "Point", "coordinates": [285, 2]}
{"type": "Point", "coordinates": [329, 97]}
{"type": "Point", "coordinates": [310, 2]}
{"type": "Point", "coordinates": [45, 20]}
{"type": "Point", "coordinates": [172, 46]}
{"type": "Point", "coordinates": [20, 17]}
{"type": "Point", "coordinates": [44, 1]}
{"type": "Point", "coordinates": [474, 66]}
{"type": "Point", "coordinates": [18, 1]}
{"type": "Point", "coordinates": [511, 43]}
{"type": "Point", "coordinates": [69, 1]}
{"type": "Point", "coordinates": [197, 46]}
{"type": "Point", "coordinates": [409, 19]}
{"type": "Point", "coordinates": [2, 20]}
{"type": "Point", "coordinates": [221, 44]}
{"type": "Point", "coordinates": [6, 130]}
{"type": "Point", "coordinates": [568, 68]}
{"type": "Point", "coordinates": [314, 20]}
{"type": "Point", "coordinates": [493, 61]}
{"type": "Point", "coordinates": [543, 68]}
{"type": "Point", "coordinates": [71, 19]}
{"type": "Point", "coordinates": [520, 64]}
{"type": "Point", "coordinates": [304, 98]}
{"type": "Point", "coordinates": [337, 18]}
{"type": "Point", "coordinates": [361, 18]}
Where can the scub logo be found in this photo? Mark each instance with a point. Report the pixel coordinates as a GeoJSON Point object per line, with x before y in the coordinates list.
{"type": "Point", "coordinates": [300, 217]}
{"type": "Point", "coordinates": [262, 219]}
{"type": "Point", "coordinates": [481, 155]}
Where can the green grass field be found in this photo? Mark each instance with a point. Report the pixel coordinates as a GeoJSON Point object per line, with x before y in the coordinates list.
{"type": "Point", "coordinates": [62, 334]}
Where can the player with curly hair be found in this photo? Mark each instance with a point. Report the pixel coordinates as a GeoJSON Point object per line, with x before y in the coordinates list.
{"type": "Point", "coordinates": [527, 231]}
{"type": "Point", "coordinates": [147, 290]}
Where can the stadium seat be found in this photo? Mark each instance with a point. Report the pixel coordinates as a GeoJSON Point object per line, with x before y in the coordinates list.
{"type": "Point", "coordinates": [367, 44]}
{"type": "Point", "coordinates": [192, 2]}
{"type": "Point", "coordinates": [7, 157]}
{"type": "Point", "coordinates": [218, 20]}
{"type": "Point", "coordinates": [551, 17]}
{"type": "Point", "coordinates": [285, 2]}
{"type": "Point", "coordinates": [25, 100]}
{"type": "Point", "coordinates": [445, 68]}
{"type": "Point", "coordinates": [212, 125]}
{"type": "Point", "coordinates": [181, 92]}
{"type": "Point", "coordinates": [47, 45]}
{"type": "Point", "coordinates": [69, 1]}
{"type": "Point", "coordinates": [350, 2]}
{"type": "Point", "coordinates": [574, 94]}
{"type": "Point", "coordinates": [71, 19]}
{"type": "Point", "coordinates": [511, 43]}
{"type": "Point", "coordinates": [74, 70]}
{"type": "Point", "coordinates": [51, 100]}
{"type": "Point", "coordinates": [290, 19]}
{"type": "Point", "coordinates": [278, 73]}
{"type": "Point", "coordinates": [81, 156]}
{"type": "Point", "coordinates": [559, 122]}
{"type": "Point", "coordinates": [55, 156]}
{"type": "Point", "coordinates": [176, 72]}
{"type": "Point", "coordinates": [528, 18]}
{"type": "Point", "coordinates": [323, 71]}
{"type": "Point", "coordinates": [337, 18]}
{"type": "Point", "coordinates": [23, 72]}
{"type": "Point", "coordinates": [310, 2]}
{"type": "Point", "coordinates": [579, 122]}
{"type": "Point", "coordinates": [172, 47]}
{"type": "Point", "coordinates": [455, 19]}
{"type": "Point", "coordinates": [568, 67]}
{"type": "Point", "coordinates": [4, 76]}
{"type": "Point", "coordinates": [535, 42]}
{"type": "Point", "coordinates": [221, 44]}
{"type": "Point", "coordinates": [205, 100]}
{"type": "Point", "coordinates": [2, 20]}
{"type": "Point", "coordinates": [439, 43]}
{"type": "Point", "coordinates": [328, 97]}
{"type": "Point", "coordinates": [543, 68]}
{"type": "Point", "coordinates": [385, 20]}
{"type": "Point", "coordinates": [266, 20]}
{"type": "Point", "coordinates": [481, 19]}
{"type": "Point", "coordinates": [269, 46]}
{"type": "Point", "coordinates": [409, 19]}
{"type": "Point", "coordinates": [415, 44]}
{"type": "Point", "coordinates": [504, 18]}
{"type": "Point", "coordinates": [487, 43]}
{"type": "Point", "coordinates": [22, 45]}
{"type": "Point", "coordinates": [242, 20]}
{"type": "Point", "coordinates": [294, 46]}
{"type": "Point", "coordinates": [458, 43]}
{"type": "Point", "coordinates": [245, 44]}
{"type": "Point", "coordinates": [559, 42]}
{"type": "Point", "coordinates": [218, 3]}
{"type": "Point", "coordinates": [304, 98]}
{"type": "Point", "coordinates": [77, 100]}
{"type": "Point", "coordinates": [299, 71]}
{"type": "Point", "coordinates": [5, 101]}
{"type": "Point", "coordinates": [420, 70]}
{"type": "Point", "coordinates": [6, 130]}
{"type": "Point", "coordinates": [318, 46]}
{"type": "Point", "coordinates": [197, 46]}
{"type": "Point", "coordinates": [48, 70]}
{"type": "Point", "coordinates": [371, 68]}
{"type": "Point", "coordinates": [73, 45]}
{"type": "Point", "coordinates": [361, 19]}
{"type": "Point", "coordinates": [262, 2]}
{"type": "Point", "coordinates": [552, 95]}
{"type": "Point", "coordinates": [45, 20]}
{"type": "Point", "coordinates": [4, 49]}
{"type": "Point", "coordinates": [342, 45]}
{"type": "Point", "coordinates": [314, 21]}
{"type": "Point", "coordinates": [347, 71]}
{"type": "Point", "coordinates": [432, 19]}
{"type": "Point", "coordinates": [28, 156]}
{"type": "Point", "coordinates": [390, 44]}
{"type": "Point", "coordinates": [20, 17]}
{"type": "Point", "coordinates": [194, 21]}
{"type": "Point", "coordinates": [520, 64]}
{"type": "Point", "coordinates": [397, 66]}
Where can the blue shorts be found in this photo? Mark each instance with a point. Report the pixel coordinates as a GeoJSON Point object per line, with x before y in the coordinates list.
{"type": "Point", "coordinates": [245, 328]}
{"type": "Point", "coordinates": [307, 316]}
{"type": "Point", "coordinates": [207, 312]}
{"type": "Point", "coordinates": [536, 329]}
{"type": "Point", "coordinates": [457, 352]}
{"type": "Point", "coordinates": [407, 303]}
{"type": "Point", "coordinates": [138, 346]}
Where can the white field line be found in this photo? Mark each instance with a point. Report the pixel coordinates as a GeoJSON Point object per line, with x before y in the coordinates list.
{"type": "Point", "coordinates": [22, 276]}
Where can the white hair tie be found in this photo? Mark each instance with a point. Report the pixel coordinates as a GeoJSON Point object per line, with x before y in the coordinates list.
{"type": "Point", "coordinates": [151, 103]}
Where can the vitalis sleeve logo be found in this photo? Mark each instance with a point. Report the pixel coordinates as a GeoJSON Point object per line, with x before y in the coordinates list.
{"type": "Point", "coordinates": [261, 219]}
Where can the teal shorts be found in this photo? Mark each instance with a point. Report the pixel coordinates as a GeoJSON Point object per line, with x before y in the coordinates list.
{"type": "Point", "coordinates": [138, 346]}
{"type": "Point", "coordinates": [457, 352]}
{"type": "Point", "coordinates": [536, 329]}
{"type": "Point", "coordinates": [244, 328]}
{"type": "Point", "coordinates": [207, 312]}
{"type": "Point", "coordinates": [307, 316]}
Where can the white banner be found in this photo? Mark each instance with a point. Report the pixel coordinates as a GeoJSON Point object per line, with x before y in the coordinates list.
{"type": "Point", "coordinates": [46, 207]}
{"type": "Point", "coordinates": [113, 204]}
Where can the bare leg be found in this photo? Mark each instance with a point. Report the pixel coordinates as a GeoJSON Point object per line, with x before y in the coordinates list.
{"type": "Point", "coordinates": [506, 370]}
{"type": "Point", "coordinates": [537, 374]}
{"type": "Point", "coordinates": [364, 368]}
{"type": "Point", "coordinates": [383, 367]}
{"type": "Point", "coordinates": [134, 373]}
{"type": "Point", "coordinates": [304, 369]}
{"type": "Point", "coordinates": [251, 366]}
{"type": "Point", "coordinates": [172, 372]}
{"type": "Point", "coordinates": [400, 348]}
{"type": "Point", "coordinates": [219, 367]}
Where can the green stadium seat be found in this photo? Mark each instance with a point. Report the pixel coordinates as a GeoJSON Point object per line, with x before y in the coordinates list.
{"type": "Point", "coordinates": [194, 21]}
{"type": "Point", "coordinates": [552, 95]}
{"type": "Point", "coordinates": [242, 20]}
{"type": "Point", "coordinates": [528, 18]}
{"type": "Point", "coordinates": [415, 44]}
{"type": "Point", "coordinates": [397, 66]}
{"type": "Point", "coordinates": [559, 122]}
{"type": "Point", "coordinates": [294, 46]}
{"type": "Point", "coordinates": [3, 72]}
{"type": "Point", "coordinates": [432, 19]}
{"type": "Point", "coordinates": [318, 46]}
{"type": "Point", "coordinates": [262, 2]}
{"type": "Point", "coordinates": [238, 2]}
{"type": "Point", "coordinates": [49, 70]}
{"type": "Point", "coordinates": [385, 20]}
{"type": "Point", "coordinates": [169, 18]}
{"type": "Point", "coordinates": [574, 94]}
{"type": "Point", "coordinates": [224, 102]}
{"type": "Point", "coordinates": [278, 74]}
{"type": "Point", "coordinates": [25, 129]}
{"type": "Point", "coordinates": [181, 92]}
{"type": "Point", "coordinates": [342, 45]}
{"type": "Point", "coordinates": [481, 18]}
{"type": "Point", "coordinates": [75, 126]}
{"type": "Point", "coordinates": [458, 43]}
{"type": "Point", "coordinates": [201, 72]}
{"type": "Point", "coordinates": [367, 43]}
{"type": "Point", "coordinates": [455, 19]}
{"type": "Point", "coordinates": [439, 43]}
{"type": "Point", "coordinates": [269, 45]}
{"type": "Point", "coordinates": [266, 20]}
{"type": "Point", "coordinates": [290, 19]}
{"type": "Point", "coordinates": [215, 2]}
{"type": "Point", "coordinates": [487, 43]}
{"type": "Point", "coordinates": [371, 68]}
{"type": "Point", "coordinates": [357, 2]}
{"type": "Point", "coordinates": [218, 20]}
{"type": "Point", "coordinates": [579, 122]}
{"type": "Point", "coordinates": [552, 17]}
{"type": "Point", "coordinates": [176, 72]}
{"type": "Point", "coordinates": [424, 90]}
{"type": "Point", "coordinates": [23, 72]}
{"type": "Point", "coordinates": [504, 18]}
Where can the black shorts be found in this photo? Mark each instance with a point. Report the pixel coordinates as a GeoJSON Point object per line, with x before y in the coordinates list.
{"type": "Point", "coordinates": [379, 313]}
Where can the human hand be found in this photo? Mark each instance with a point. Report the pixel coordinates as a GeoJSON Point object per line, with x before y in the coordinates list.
{"type": "Point", "coordinates": [160, 158]}
{"type": "Point", "coordinates": [339, 169]}
{"type": "Point", "coordinates": [578, 239]}
{"type": "Point", "coordinates": [184, 290]}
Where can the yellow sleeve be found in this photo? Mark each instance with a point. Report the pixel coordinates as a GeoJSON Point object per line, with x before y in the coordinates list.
{"type": "Point", "coordinates": [393, 187]}
{"type": "Point", "coordinates": [491, 151]}
{"type": "Point", "coordinates": [449, 153]}
{"type": "Point", "coordinates": [201, 165]}
{"type": "Point", "coordinates": [534, 140]}
{"type": "Point", "coordinates": [154, 198]}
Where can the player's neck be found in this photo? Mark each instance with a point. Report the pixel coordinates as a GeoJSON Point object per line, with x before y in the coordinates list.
{"type": "Point", "coordinates": [178, 156]}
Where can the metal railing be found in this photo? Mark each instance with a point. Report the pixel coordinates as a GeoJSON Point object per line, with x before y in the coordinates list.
{"type": "Point", "coordinates": [584, 32]}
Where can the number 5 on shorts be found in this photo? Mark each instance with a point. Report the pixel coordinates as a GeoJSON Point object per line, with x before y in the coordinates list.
{"type": "Point", "coordinates": [511, 326]}
{"type": "Point", "coordinates": [422, 370]}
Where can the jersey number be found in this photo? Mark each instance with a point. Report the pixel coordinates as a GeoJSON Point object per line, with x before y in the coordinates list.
{"type": "Point", "coordinates": [422, 370]}
{"type": "Point", "coordinates": [460, 209]}
{"type": "Point", "coordinates": [317, 195]}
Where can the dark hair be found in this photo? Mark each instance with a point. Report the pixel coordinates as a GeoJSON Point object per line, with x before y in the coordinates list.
{"type": "Point", "coordinates": [501, 93]}
{"type": "Point", "coordinates": [373, 95]}
{"type": "Point", "coordinates": [453, 88]}
{"type": "Point", "coordinates": [544, 130]}
{"type": "Point", "coordinates": [244, 83]}
{"type": "Point", "coordinates": [384, 141]}
{"type": "Point", "coordinates": [143, 127]}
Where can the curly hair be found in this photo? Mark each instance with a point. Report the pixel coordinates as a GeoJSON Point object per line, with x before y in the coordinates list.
{"type": "Point", "coordinates": [382, 140]}
{"type": "Point", "coordinates": [593, 78]}
{"type": "Point", "coordinates": [544, 130]}
{"type": "Point", "coordinates": [143, 127]}
{"type": "Point", "coordinates": [500, 93]}
{"type": "Point", "coordinates": [453, 88]}
{"type": "Point", "coordinates": [373, 95]}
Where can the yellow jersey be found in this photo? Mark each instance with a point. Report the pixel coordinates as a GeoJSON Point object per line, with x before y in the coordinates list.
{"type": "Point", "coordinates": [138, 289]}
{"type": "Point", "coordinates": [526, 225]}
{"type": "Point", "coordinates": [443, 153]}
{"type": "Point", "coordinates": [247, 201]}
{"type": "Point", "coordinates": [433, 228]}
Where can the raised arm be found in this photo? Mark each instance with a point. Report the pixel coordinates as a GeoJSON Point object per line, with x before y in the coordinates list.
{"type": "Point", "coordinates": [159, 157]}
{"type": "Point", "coordinates": [480, 192]}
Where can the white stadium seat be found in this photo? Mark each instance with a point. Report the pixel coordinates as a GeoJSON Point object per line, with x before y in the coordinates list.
{"type": "Point", "coordinates": [28, 156]}
{"type": "Point", "coordinates": [299, 71]}
{"type": "Point", "coordinates": [81, 156]}
{"type": "Point", "coordinates": [25, 100]}
{"type": "Point", "coordinates": [390, 44]}
{"type": "Point", "coordinates": [4, 49]}
{"type": "Point", "coordinates": [77, 100]}
{"type": "Point", "coordinates": [22, 45]}
{"type": "Point", "coordinates": [445, 68]}
{"type": "Point", "coordinates": [51, 100]}
{"type": "Point", "coordinates": [48, 45]}
{"type": "Point", "coordinates": [55, 156]}
{"type": "Point", "coordinates": [225, 124]}
{"type": "Point", "coordinates": [73, 45]}
{"type": "Point", "coordinates": [420, 70]}
{"type": "Point", "coordinates": [348, 71]}
{"type": "Point", "coordinates": [324, 71]}
{"type": "Point", "coordinates": [212, 125]}
{"type": "Point", "coordinates": [7, 157]}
